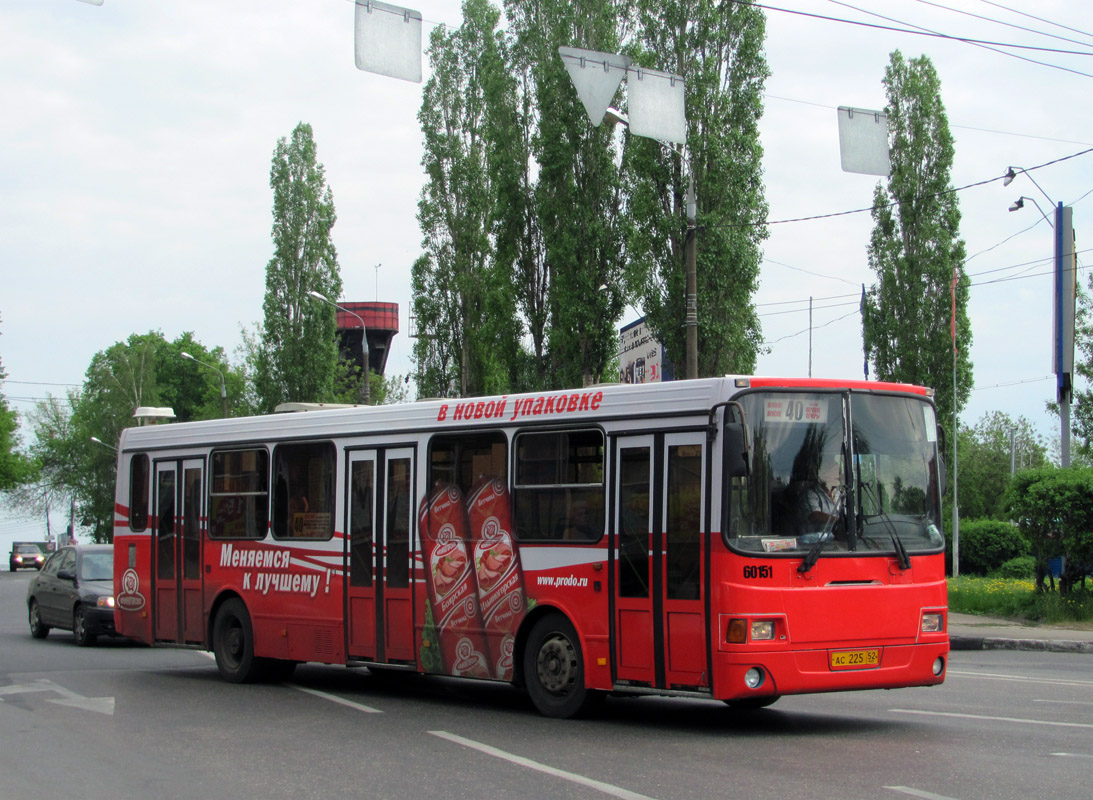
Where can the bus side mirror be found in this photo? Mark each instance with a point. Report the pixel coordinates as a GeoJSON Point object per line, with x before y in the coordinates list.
{"type": "Point", "coordinates": [736, 450]}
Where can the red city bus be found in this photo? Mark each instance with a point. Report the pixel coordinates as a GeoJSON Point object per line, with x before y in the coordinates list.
{"type": "Point", "coordinates": [736, 539]}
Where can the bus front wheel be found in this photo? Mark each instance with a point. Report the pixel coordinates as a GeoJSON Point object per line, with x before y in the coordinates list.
{"type": "Point", "coordinates": [554, 669]}
{"type": "Point", "coordinates": [233, 643]}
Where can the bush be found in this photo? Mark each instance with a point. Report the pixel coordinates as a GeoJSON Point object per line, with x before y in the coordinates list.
{"type": "Point", "coordinates": [1022, 567]}
{"type": "Point", "coordinates": [987, 544]}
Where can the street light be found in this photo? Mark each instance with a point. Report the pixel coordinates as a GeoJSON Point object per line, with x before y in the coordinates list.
{"type": "Point", "coordinates": [1019, 203]}
{"type": "Point", "coordinates": [97, 440]}
{"type": "Point", "coordinates": [1065, 296]}
{"type": "Point", "coordinates": [1012, 172]}
{"type": "Point", "coordinates": [364, 341]}
{"type": "Point", "coordinates": [223, 386]}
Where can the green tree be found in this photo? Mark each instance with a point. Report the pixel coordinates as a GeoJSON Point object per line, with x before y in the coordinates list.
{"type": "Point", "coordinates": [294, 357]}
{"type": "Point", "coordinates": [576, 197]}
{"type": "Point", "coordinates": [915, 250]}
{"type": "Point", "coordinates": [15, 467]}
{"type": "Point", "coordinates": [984, 463]}
{"type": "Point", "coordinates": [718, 49]}
{"type": "Point", "coordinates": [1081, 410]}
{"type": "Point", "coordinates": [1054, 509]}
{"type": "Point", "coordinates": [464, 300]}
{"type": "Point", "coordinates": [144, 370]}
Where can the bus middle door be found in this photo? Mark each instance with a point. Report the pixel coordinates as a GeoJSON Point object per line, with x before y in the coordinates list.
{"type": "Point", "coordinates": [659, 617]}
{"type": "Point", "coordinates": [379, 595]}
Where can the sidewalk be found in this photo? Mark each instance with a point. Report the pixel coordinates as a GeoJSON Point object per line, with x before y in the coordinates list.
{"type": "Point", "coordinates": [971, 632]}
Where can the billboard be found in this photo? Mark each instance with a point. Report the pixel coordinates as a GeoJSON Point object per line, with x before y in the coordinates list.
{"type": "Point", "coordinates": [641, 357]}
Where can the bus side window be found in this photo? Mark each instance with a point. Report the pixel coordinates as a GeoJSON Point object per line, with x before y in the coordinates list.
{"type": "Point", "coordinates": [239, 494]}
{"type": "Point", "coordinates": [559, 486]}
{"type": "Point", "coordinates": [303, 496]}
{"type": "Point", "coordinates": [467, 461]}
{"type": "Point", "coordinates": [138, 493]}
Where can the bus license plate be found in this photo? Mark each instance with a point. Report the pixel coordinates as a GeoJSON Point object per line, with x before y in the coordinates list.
{"type": "Point", "coordinates": [855, 659]}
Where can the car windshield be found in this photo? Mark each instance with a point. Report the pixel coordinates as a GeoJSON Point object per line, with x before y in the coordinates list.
{"type": "Point", "coordinates": [813, 488]}
{"type": "Point", "coordinates": [97, 567]}
{"type": "Point", "coordinates": [27, 550]}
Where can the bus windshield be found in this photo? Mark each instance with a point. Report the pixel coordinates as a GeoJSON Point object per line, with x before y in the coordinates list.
{"type": "Point", "coordinates": [837, 472]}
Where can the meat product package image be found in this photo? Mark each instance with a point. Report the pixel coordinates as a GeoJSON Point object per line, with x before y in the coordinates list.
{"type": "Point", "coordinates": [499, 575]}
{"type": "Point", "coordinates": [451, 584]}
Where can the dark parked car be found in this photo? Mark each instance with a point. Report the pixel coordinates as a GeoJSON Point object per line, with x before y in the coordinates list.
{"type": "Point", "coordinates": [25, 554]}
{"type": "Point", "coordinates": [74, 590]}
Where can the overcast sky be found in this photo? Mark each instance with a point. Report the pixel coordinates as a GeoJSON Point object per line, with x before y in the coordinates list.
{"type": "Point", "coordinates": [136, 138]}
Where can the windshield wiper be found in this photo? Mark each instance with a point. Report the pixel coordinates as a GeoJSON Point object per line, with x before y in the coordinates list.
{"type": "Point", "coordinates": [824, 535]}
{"type": "Point", "coordinates": [901, 551]}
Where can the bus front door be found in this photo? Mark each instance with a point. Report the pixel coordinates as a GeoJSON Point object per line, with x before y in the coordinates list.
{"type": "Point", "coordinates": [378, 554]}
{"type": "Point", "coordinates": [660, 618]}
{"type": "Point", "coordinates": [178, 608]}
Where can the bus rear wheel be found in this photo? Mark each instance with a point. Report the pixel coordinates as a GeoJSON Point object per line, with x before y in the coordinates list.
{"type": "Point", "coordinates": [233, 643]}
{"type": "Point", "coordinates": [554, 669]}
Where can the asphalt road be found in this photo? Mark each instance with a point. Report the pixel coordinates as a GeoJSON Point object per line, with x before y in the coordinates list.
{"type": "Point", "coordinates": [123, 721]}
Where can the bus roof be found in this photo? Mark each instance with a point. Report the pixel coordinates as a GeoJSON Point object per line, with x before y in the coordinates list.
{"type": "Point", "coordinates": [593, 403]}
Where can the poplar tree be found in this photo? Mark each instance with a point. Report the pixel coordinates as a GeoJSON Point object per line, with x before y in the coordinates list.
{"type": "Point", "coordinates": [464, 301]}
{"type": "Point", "coordinates": [577, 195]}
{"type": "Point", "coordinates": [296, 356]}
{"type": "Point", "coordinates": [718, 49]}
{"type": "Point", "coordinates": [916, 251]}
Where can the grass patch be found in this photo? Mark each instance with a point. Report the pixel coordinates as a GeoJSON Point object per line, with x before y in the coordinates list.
{"type": "Point", "coordinates": [1017, 599]}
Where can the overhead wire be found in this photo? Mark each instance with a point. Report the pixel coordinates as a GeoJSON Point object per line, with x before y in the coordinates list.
{"type": "Point", "coordinates": [951, 190]}
{"type": "Point", "coordinates": [986, 45]}
{"type": "Point", "coordinates": [999, 22]}
{"type": "Point", "coordinates": [1038, 19]}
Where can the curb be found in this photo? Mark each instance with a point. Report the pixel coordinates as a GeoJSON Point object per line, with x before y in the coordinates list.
{"type": "Point", "coordinates": [1042, 645]}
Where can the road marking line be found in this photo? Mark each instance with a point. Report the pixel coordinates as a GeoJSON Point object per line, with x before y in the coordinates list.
{"type": "Point", "coordinates": [335, 699]}
{"type": "Point", "coordinates": [919, 793]}
{"type": "Point", "coordinates": [1021, 679]}
{"type": "Point", "coordinates": [1071, 755]}
{"type": "Point", "coordinates": [1065, 702]}
{"type": "Point", "coordinates": [103, 705]}
{"type": "Point", "coordinates": [606, 788]}
{"type": "Point", "coordinates": [993, 719]}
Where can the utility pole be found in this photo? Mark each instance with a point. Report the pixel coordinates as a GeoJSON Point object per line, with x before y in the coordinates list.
{"type": "Point", "coordinates": [691, 317]}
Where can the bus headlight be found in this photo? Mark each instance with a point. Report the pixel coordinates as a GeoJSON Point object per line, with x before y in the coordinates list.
{"type": "Point", "coordinates": [754, 678]}
{"type": "Point", "coordinates": [762, 630]}
{"type": "Point", "coordinates": [933, 623]}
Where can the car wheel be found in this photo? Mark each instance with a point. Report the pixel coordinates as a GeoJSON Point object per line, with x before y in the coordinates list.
{"type": "Point", "coordinates": [38, 629]}
{"type": "Point", "coordinates": [84, 637]}
{"type": "Point", "coordinates": [233, 643]}
{"type": "Point", "coordinates": [554, 669]}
